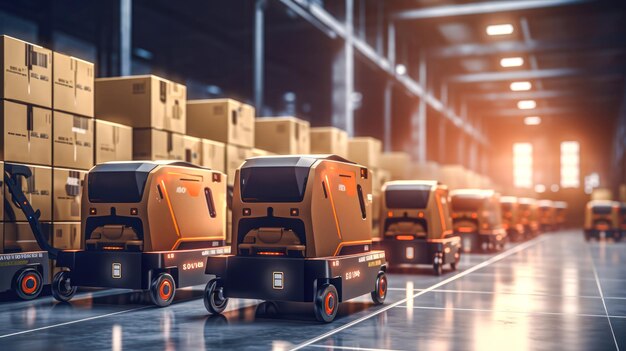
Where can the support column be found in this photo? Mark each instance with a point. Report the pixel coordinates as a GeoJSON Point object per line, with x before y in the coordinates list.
{"type": "Point", "coordinates": [343, 78]}
{"type": "Point", "coordinates": [259, 46]}
{"type": "Point", "coordinates": [126, 17]}
{"type": "Point", "coordinates": [387, 116]}
{"type": "Point", "coordinates": [418, 120]}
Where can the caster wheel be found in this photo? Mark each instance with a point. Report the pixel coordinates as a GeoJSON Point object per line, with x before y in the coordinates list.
{"type": "Point", "coordinates": [27, 283]}
{"type": "Point", "coordinates": [162, 290]}
{"type": "Point", "coordinates": [379, 295]}
{"type": "Point", "coordinates": [326, 303]}
{"type": "Point", "coordinates": [62, 289]}
{"type": "Point", "coordinates": [214, 300]}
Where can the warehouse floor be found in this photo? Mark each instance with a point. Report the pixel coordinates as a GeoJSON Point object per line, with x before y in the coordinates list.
{"type": "Point", "coordinates": [554, 292]}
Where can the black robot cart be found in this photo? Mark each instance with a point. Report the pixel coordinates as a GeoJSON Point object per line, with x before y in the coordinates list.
{"type": "Point", "coordinates": [25, 273]}
{"type": "Point", "coordinates": [437, 252]}
{"type": "Point", "coordinates": [324, 281]}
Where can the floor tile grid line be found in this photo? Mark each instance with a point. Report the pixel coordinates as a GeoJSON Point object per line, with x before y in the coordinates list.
{"type": "Point", "coordinates": [72, 322]}
{"type": "Point", "coordinates": [333, 347]}
{"type": "Point", "coordinates": [595, 273]}
{"type": "Point", "coordinates": [511, 293]}
{"type": "Point", "coordinates": [500, 256]}
{"type": "Point", "coordinates": [516, 312]}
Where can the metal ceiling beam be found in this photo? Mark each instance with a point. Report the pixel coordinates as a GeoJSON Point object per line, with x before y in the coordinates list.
{"type": "Point", "coordinates": [574, 109]}
{"type": "Point", "coordinates": [532, 74]}
{"type": "Point", "coordinates": [508, 47]}
{"type": "Point", "coordinates": [480, 8]}
{"type": "Point", "coordinates": [545, 94]}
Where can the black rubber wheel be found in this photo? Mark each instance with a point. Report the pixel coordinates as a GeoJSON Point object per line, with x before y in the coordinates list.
{"type": "Point", "coordinates": [326, 303]}
{"type": "Point", "coordinates": [380, 289]}
{"type": "Point", "coordinates": [617, 237]}
{"type": "Point", "coordinates": [162, 290]}
{"type": "Point", "coordinates": [27, 283]}
{"type": "Point", "coordinates": [438, 268]}
{"type": "Point", "coordinates": [457, 258]}
{"type": "Point", "coordinates": [214, 300]}
{"type": "Point", "coordinates": [62, 289]}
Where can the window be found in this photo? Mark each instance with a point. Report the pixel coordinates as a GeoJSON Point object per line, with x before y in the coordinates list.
{"type": "Point", "coordinates": [523, 165]}
{"type": "Point", "coordinates": [570, 164]}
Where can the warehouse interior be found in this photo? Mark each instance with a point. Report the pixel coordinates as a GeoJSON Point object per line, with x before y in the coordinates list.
{"type": "Point", "coordinates": [522, 99]}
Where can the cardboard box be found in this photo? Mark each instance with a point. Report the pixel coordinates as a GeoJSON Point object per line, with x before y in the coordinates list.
{"type": "Point", "coordinates": [72, 85]}
{"type": "Point", "coordinates": [454, 176]}
{"type": "Point", "coordinates": [26, 134]}
{"type": "Point", "coordinates": [113, 142]}
{"type": "Point", "coordinates": [235, 155]}
{"type": "Point", "coordinates": [283, 135]}
{"type": "Point", "coordinates": [18, 237]}
{"type": "Point", "coordinates": [193, 150]}
{"type": "Point", "coordinates": [397, 163]}
{"type": "Point", "coordinates": [365, 151]}
{"type": "Point", "coordinates": [225, 120]}
{"type": "Point", "coordinates": [38, 190]}
{"type": "Point", "coordinates": [26, 72]}
{"type": "Point", "coordinates": [425, 171]}
{"type": "Point", "coordinates": [258, 152]}
{"type": "Point", "coordinates": [66, 235]}
{"type": "Point", "coordinates": [379, 177]}
{"type": "Point", "coordinates": [329, 140]}
{"type": "Point", "coordinates": [142, 102]}
{"type": "Point", "coordinates": [72, 145]}
{"type": "Point", "coordinates": [214, 155]}
{"type": "Point", "coordinates": [66, 193]}
{"type": "Point", "coordinates": [154, 144]}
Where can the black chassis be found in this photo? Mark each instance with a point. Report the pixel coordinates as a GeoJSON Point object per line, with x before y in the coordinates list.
{"type": "Point", "coordinates": [296, 279]}
{"type": "Point", "coordinates": [476, 240]}
{"type": "Point", "coordinates": [11, 263]}
{"type": "Point", "coordinates": [135, 270]}
{"type": "Point", "coordinates": [424, 251]}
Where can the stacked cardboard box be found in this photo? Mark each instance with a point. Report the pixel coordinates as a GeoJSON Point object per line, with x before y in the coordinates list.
{"type": "Point", "coordinates": [329, 140]}
{"type": "Point", "coordinates": [113, 142]}
{"type": "Point", "coordinates": [26, 138]}
{"type": "Point", "coordinates": [283, 135]}
{"type": "Point", "coordinates": [226, 128]}
{"type": "Point", "coordinates": [397, 163]}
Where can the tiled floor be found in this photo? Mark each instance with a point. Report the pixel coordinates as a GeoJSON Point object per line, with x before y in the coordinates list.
{"type": "Point", "coordinates": [555, 292]}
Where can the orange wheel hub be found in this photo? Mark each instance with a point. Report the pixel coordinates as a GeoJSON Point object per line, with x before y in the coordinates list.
{"type": "Point", "coordinates": [29, 284]}
{"type": "Point", "coordinates": [329, 303]}
{"type": "Point", "coordinates": [382, 287]}
{"type": "Point", "coordinates": [165, 290]}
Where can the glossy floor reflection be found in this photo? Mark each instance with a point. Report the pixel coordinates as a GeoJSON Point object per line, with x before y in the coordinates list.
{"type": "Point", "coordinates": [555, 292]}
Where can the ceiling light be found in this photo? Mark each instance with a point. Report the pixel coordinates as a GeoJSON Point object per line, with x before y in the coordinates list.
{"type": "Point", "coordinates": [401, 69]}
{"type": "Point", "coordinates": [526, 104]}
{"type": "Point", "coordinates": [540, 188]}
{"type": "Point", "coordinates": [521, 86]}
{"type": "Point", "coordinates": [511, 62]}
{"type": "Point", "coordinates": [532, 120]}
{"type": "Point", "coordinates": [500, 29]}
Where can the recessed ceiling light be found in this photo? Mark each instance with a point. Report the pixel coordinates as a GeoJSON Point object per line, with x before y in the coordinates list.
{"type": "Point", "coordinates": [401, 69]}
{"type": "Point", "coordinates": [521, 86]}
{"type": "Point", "coordinates": [532, 120]}
{"type": "Point", "coordinates": [500, 29]}
{"type": "Point", "coordinates": [526, 104]}
{"type": "Point", "coordinates": [511, 62]}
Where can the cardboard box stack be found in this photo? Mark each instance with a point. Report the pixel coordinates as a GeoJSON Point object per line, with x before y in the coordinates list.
{"type": "Point", "coordinates": [397, 163]}
{"type": "Point", "coordinates": [283, 135]}
{"type": "Point", "coordinates": [329, 140]}
{"type": "Point", "coordinates": [226, 129]}
{"type": "Point", "coordinates": [47, 109]}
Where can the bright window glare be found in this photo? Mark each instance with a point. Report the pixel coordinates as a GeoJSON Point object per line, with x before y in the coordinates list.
{"type": "Point", "coordinates": [570, 164]}
{"type": "Point", "coordinates": [500, 29]}
{"type": "Point", "coordinates": [532, 120]}
{"type": "Point", "coordinates": [520, 86]}
{"type": "Point", "coordinates": [511, 62]}
{"type": "Point", "coordinates": [523, 165]}
{"type": "Point", "coordinates": [526, 104]}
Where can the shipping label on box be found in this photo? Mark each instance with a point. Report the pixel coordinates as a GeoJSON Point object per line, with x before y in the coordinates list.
{"type": "Point", "coordinates": [38, 191]}
{"type": "Point", "coordinates": [329, 140]}
{"type": "Point", "coordinates": [73, 141]}
{"type": "Point", "coordinates": [365, 151]}
{"type": "Point", "coordinates": [26, 72]}
{"type": "Point", "coordinates": [214, 155]}
{"type": "Point", "coordinates": [113, 142]}
{"type": "Point", "coordinates": [142, 102]}
{"type": "Point", "coordinates": [235, 156]}
{"type": "Point", "coordinates": [66, 235]}
{"type": "Point", "coordinates": [283, 135]}
{"type": "Point", "coordinates": [153, 144]}
{"type": "Point", "coordinates": [19, 237]}
{"type": "Point", "coordinates": [225, 120]}
{"type": "Point", "coordinates": [27, 133]}
{"type": "Point", "coordinates": [67, 192]}
{"type": "Point", "coordinates": [73, 85]}
{"type": "Point", "coordinates": [193, 150]}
